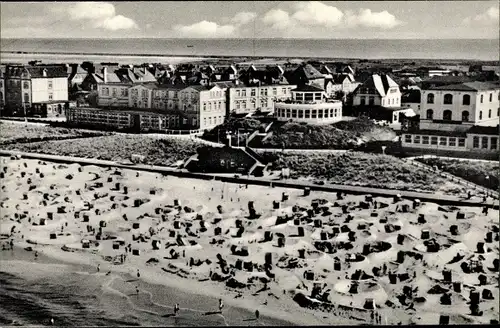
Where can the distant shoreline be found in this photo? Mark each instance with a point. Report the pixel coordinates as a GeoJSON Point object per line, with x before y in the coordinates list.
{"type": "Point", "coordinates": [208, 56]}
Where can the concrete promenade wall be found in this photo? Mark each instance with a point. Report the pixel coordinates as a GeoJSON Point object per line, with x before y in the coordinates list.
{"type": "Point", "coordinates": [355, 190]}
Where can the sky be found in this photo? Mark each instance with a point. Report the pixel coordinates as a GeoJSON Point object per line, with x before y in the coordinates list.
{"type": "Point", "coordinates": [252, 19]}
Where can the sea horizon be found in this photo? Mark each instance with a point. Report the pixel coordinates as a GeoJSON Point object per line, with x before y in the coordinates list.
{"type": "Point", "coordinates": [422, 49]}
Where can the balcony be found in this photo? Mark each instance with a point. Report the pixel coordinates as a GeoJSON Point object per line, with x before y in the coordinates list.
{"type": "Point", "coordinates": [307, 102]}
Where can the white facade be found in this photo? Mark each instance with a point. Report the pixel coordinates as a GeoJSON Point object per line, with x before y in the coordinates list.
{"type": "Point", "coordinates": [374, 92]}
{"type": "Point", "coordinates": [139, 96]}
{"type": "Point", "coordinates": [113, 95]}
{"type": "Point", "coordinates": [212, 107]}
{"type": "Point", "coordinates": [309, 107]}
{"type": "Point", "coordinates": [49, 89]}
{"type": "Point", "coordinates": [459, 107]}
{"type": "Point", "coordinates": [243, 99]}
{"type": "Point", "coordinates": [470, 142]}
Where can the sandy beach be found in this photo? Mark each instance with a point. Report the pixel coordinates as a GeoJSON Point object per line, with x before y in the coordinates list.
{"type": "Point", "coordinates": [306, 258]}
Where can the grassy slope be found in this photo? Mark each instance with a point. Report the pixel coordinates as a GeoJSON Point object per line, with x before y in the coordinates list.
{"type": "Point", "coordinates": [380, 171]}
{"type": "Point", "coordinates": [18, 133]}
{"type": "Point", "coordinates": [475, 172]}
{"type": "Point", "coordinates": [116, 148]}
{"type": "Point", "coordinates": [341, 135]}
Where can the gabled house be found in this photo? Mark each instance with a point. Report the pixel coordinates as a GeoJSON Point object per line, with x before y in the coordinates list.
{"type": "Point", "coordinates": [306, 74]}
{"type": "Point", "coordinates": [380, 90]}
{"type": "Point", "coordinates": [39, 89]}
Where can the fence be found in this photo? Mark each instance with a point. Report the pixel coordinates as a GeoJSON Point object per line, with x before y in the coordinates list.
{"type": "Point", "coordinates": [453, 178]}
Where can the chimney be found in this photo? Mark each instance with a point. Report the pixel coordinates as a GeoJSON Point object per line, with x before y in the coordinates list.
{"type": "Point", "coordinates": [105, 74]}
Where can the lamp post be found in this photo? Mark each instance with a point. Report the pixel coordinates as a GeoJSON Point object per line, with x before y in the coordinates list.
{"type": "Point", "coordinates": [487, 184]}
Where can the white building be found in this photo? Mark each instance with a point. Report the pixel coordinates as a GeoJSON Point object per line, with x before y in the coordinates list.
{"type": "Point", "coordinates": [378, 90]}
{"type": "Point", "coordinates": [309, 105]}
{"type": "Point", "coordinates": [459, 106]}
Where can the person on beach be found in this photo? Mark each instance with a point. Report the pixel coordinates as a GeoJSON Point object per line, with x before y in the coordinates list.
{"type": "Point", "coordinates": [98, 267]}
{"type": "Point", "coordinates": [221, 305]}
{"type": "Point", "coordinates": [257, 314]}
{"type": "Point", "coordinates": [137, 290]}
{"type": "Point", "coordinates": [176, 309]}
{"type": "Point", "coordinates": [138, 274]}
{"type": "Point", "coordinates": [36, 255]}
{"type": "Point", "coordinates": [51, 321]}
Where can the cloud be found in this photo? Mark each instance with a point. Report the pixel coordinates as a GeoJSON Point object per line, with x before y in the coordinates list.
{"type": "Point", "coordinates": [277, 19]}
{"type": "Point", "coordinates": [490, 16]}
{"type": "Point", "coordinates": [205, 29]}
{"type": "Point", "coordinates": [98, 14]}
{"type": "Point", "coordinates": [243, 18]}
{"type": "Point", "coordinates": [367, 18]}
{"type": "Point", "coordinates": [91, 10]}
{"type": "Point", "coordinates": [315, 14]}
{"type": "Point", "coordinates": [116, 23]}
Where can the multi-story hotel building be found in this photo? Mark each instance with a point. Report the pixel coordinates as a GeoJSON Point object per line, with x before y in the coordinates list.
{"type": "Point", "coordinates": [457, 118]}
{"type": "Point", "coordinates": [40, 89]}
{"type": "Point", "coordinates": [245, 99]}
{"type": "Point", "coordinates": [309, 105]}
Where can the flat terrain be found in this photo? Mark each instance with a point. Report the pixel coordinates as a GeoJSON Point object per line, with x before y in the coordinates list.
{"type": "Point", "coordinates": [314, 250]}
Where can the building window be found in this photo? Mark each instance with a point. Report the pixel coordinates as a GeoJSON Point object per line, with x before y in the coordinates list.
{"type": "Point", "coordinates": [313, 113]}
{"type": "Point", "coordinates": [452, 142]}
{"type": "Point", "coordinates": [448, 99]}
{"type": "Point", "coordinates": [26, 98]}
{"type": "Point", "coordinates": [49, 84]}
{"type": "Point", "coordinates": [429, 114]}
{"type": "Point", "coordinates": [447, 115]}
{"type": "Point", "coordinates": [371, 100]}
{"type": "Point", "coordinates": [26, 85]}
{"type": "Point", "coordinates": [466, 100]}
{"type": "Point", "coordinates": [275, 91]}
{"type": "Point", "coordinates": [489, 113]}
{"type": "Point", "coordinates": [442, 141]}
{"type": "Point", "coordinates": [484, 142]}
{"type": "Point", "coordinates": [416, 139]}
{"type": "Point", "coordinates": [430, 98]}
{"type": "Point", "coordinates": [50, 96]}
{"type": "Point", "coordinates": [482, 99]}
{"type": "Point", "coordinates": [491, 97]}
{"type": "Point", "coordinates": [252, 92]}
{"type": "Point", "coordinates": [363, 101]}
{"type": "Point", "coordinates": [494, 143]}
{"type": "Point", "coordinates": [475, 142]}
{"type": "Point", "coordinates": [307, 113]}
{"type": "Point", "coordinates": [204, 106]}
{"type": "Point", "coordinates": [294, 113]}
{"type": "Point", "coordinates": [461, 142]}
{"type": "Point", "coordinates": [320, 113]}
{"type": "Point", "coordinates": [407, 138]}
{"type": "Point", "coordinates": [425, 140]}
{"type": "Point", "coordinates": [243, 93]}
{"type": "Point", "coordinates": [434, 140]}
{"type": "Point", "coordinates": [465, 116]}
{"type": "Point", "coordinates": [114, 92]}
{"type": "Point", "coordinates": [481, 115]}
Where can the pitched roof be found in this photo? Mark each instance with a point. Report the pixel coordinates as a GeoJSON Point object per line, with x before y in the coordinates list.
{"type": "Point", "coordinates": [467, 86]}
{"type": "Point", "coordinates": [309, 72]}
{"type": "Point", "coordinates": [381, 83]}
{"type": "Point", "coordinates": [488, 130]}
{"type": "Point", "coordinates": [308, 88]}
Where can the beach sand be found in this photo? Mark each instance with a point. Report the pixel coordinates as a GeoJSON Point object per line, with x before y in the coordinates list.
{"type": "Point", "coordinates": [188, 230]}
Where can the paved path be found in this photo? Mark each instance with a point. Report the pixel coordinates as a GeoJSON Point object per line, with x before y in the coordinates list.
{"type": "Point", "coordinates": [263, 181]}
{"type": "Point", "coordinates": [452, 158]}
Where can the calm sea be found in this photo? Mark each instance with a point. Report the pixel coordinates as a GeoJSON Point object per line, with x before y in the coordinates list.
{"type": "Point", "coordinates": [477, 49]}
